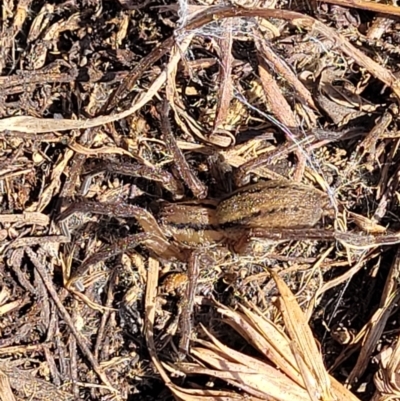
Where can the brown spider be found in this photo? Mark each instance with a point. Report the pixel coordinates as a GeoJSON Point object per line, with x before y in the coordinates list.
{"type": "Point", "coordinates": [277, 210]}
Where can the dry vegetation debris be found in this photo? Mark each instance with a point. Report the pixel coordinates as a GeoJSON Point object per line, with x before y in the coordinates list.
{"type": "Point", "coordinates": [114, 113]}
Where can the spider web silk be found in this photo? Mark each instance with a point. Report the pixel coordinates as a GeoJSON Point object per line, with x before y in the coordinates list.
{"type": "Point", "coordinates": [247, 28]}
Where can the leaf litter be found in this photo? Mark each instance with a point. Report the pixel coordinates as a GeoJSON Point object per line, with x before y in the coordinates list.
{"type": "Point", "coordinates": [130, 103]}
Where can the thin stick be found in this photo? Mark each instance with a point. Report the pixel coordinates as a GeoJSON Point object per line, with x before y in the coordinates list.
{"type": "Point", "coordinates": [67, 318]}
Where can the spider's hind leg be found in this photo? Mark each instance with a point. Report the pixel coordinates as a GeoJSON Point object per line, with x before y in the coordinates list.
{"type": "Point", "coordinates": [241, 245]}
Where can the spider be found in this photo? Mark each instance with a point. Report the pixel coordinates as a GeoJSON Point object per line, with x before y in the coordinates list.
{"type": "Point", "coordinates": [277, 210]}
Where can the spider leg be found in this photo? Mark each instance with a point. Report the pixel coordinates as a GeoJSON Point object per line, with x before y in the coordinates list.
{"type": "Point", "coordinates": [118, 209]}
{"type": "Point", "coordinates": [282, 234]}
{"type": "Point", "coordinates": [348, 239]}
{"type": "Point", "coordinates": [153, 242]}
{"type": "Point", "coordinates": [367, 241]}
{"type": "Point", "coordinates": [187, 303]}
{"type": "Point", "coordinates": [289, 234]}
{"type": "Point", "coordinates": [149, 172]}
{"type": "Point", "coordinates": [152, 237]}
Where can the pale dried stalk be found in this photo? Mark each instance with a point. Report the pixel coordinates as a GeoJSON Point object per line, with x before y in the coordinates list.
{"type": "Point", "coordinates": [37, 218]}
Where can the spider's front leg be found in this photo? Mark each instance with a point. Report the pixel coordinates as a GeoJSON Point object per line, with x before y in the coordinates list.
{"type": "Point", "coordinates": [149, 172]}
{"type": "Point", "coordinates": [152, 236]}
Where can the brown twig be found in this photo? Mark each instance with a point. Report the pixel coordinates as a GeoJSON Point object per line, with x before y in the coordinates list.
{"type": "Point", "coordinates": [67, 318]}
